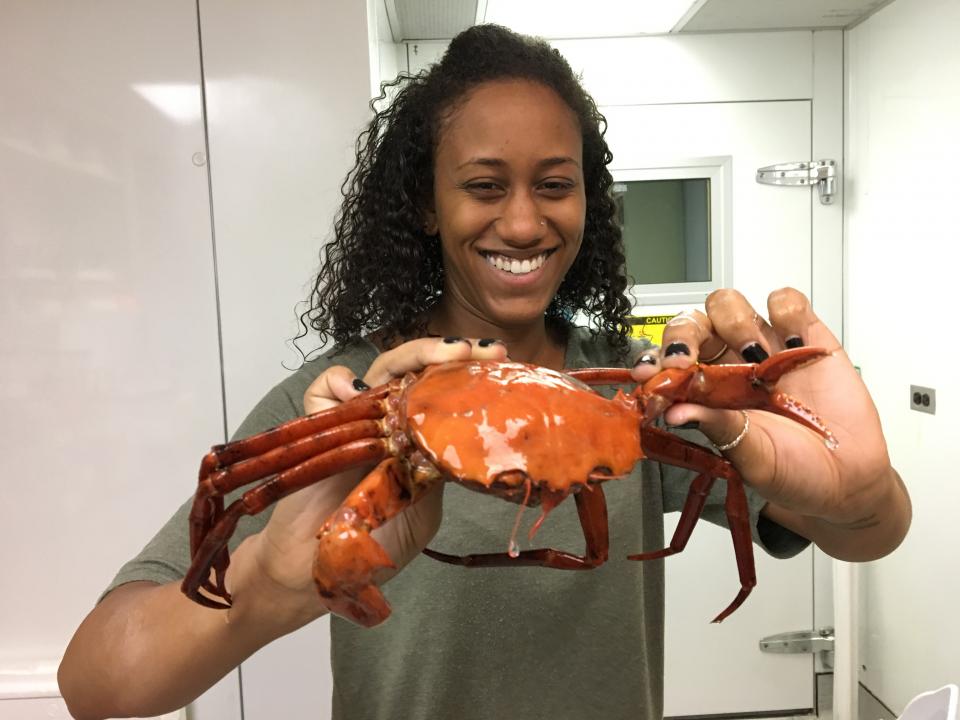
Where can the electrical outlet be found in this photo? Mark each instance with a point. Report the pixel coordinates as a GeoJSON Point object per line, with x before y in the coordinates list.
{"type": "Point", "coordinates": [923, 399]}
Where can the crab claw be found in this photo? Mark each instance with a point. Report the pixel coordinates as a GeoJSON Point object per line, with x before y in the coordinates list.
{"type": "Point", "coordinates": [343, 570]}
{"type": "Point", "coordinates": [348, 559]}
{"type": "Point", "coordinates": [663, 390]}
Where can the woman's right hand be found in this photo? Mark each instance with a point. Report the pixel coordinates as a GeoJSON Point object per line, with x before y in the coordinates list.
{"type": "Point", "coordinates": [279, 559]}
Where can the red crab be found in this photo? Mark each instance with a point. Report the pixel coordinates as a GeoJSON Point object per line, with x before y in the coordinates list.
{"type": "Point", "coordinates": [522, 432]}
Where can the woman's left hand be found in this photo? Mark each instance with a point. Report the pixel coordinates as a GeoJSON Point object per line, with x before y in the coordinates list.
{"type": "Point", "coordinates": [848, 499]}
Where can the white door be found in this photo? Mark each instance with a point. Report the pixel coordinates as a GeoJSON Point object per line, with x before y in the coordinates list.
{"type": "Point", "coordinates": [713, 669]}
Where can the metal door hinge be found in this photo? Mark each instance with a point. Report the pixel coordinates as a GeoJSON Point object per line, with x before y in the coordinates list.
{"type": "Point", "coordinates": [803, 641]}
{"type": "Point", "coordinates": [822, 173]}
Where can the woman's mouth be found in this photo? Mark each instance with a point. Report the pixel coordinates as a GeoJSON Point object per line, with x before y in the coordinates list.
{"type": "Point", "coordinates": [515, 266]}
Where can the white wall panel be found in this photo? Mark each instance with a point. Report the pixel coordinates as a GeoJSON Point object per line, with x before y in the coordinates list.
{"type": "Point", "coordinates": [288, 89]}
{"type": "Point", "coordinates": [53, 709]}
{"type": "Point", "coordinates": [732, 67]}
{"type": "Point", "coordinates": [287, 95]}
{"type": "Point", "coordinates": [109, 366]}
{"type": "Point", "coordinates": [901, 229]}
{"type": "Point", "coordinates": [694, 68]}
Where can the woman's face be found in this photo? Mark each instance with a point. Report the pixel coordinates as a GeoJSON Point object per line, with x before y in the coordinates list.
{"type": "Point", "coordinates": [509, 202]}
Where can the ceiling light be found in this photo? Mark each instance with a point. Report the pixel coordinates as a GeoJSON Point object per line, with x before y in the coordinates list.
{"type": "Point", "coordinates": [556, 19]}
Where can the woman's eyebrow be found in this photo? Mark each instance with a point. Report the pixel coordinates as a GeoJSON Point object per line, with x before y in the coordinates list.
{"type": "Point", "coordinates": [498, 162]}
{"type": "Point", "coordinates": [489, 162]}
{"type": "Point", "coordinates": [560, 160]}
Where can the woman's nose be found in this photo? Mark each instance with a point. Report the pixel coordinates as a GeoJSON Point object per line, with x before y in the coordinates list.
{"type": "Point", "coordinates": [521, 223]}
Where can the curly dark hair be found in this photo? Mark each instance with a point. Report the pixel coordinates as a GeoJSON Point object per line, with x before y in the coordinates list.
{"type": "Point", "coordinates": [382, 271]}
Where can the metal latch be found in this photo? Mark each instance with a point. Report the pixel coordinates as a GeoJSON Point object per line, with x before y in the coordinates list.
{"type": "Point", "coordinates": [803, 641]}
{"type": "Point", "coordinates": [822, 173]}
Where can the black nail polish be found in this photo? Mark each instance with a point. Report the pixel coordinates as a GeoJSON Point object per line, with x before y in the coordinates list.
{"type": "Point", "coordinates": [646, 359]}
{"type": "Point", "coordinates": [793, 342]}
{"type": "Point", "coordinates": [754, 353]}
{"type": "Point", "coordinates": [692, 425]}
{"type": "Point", "coordinates": [359, 385]}
{"type": "Point", "coordinates": [451, 339]}
{"type": "Point", "coordinates": [487, 342]}
{"type": "Point", "coordinates": [676, 348]}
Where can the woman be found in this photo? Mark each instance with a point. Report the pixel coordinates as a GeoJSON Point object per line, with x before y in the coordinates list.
{"type": "Point", "coordinates": [479, 209]}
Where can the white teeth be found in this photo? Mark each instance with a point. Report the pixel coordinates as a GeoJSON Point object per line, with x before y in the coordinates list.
{"type": "Point", "coordinates": [514, 266]}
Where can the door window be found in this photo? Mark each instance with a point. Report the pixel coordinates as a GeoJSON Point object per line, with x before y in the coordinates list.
{"type": "Point", "coordinates": [673, 224]}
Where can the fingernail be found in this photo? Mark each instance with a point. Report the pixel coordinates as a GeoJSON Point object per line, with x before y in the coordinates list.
{"type": "Point", "coordinates": [793, 341]}
{"type": "Point", "coordinates": [754, 353]}
{"type": "Point", "coordinates": [487, 342]}
{"type": "Point", "coordinates": [677, 348]}
{"type": "Point", "coordinates": [692, 425]}
{"type": "Point", "coordinates": [450, 340]}
{"type": "Point", "coordinates": [359, 385]}
{"type": "Point", "coordinates": [646, 359]}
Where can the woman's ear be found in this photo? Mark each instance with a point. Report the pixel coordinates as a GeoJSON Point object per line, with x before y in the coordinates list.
{"type": "Point", "coordinates": [430, 222]}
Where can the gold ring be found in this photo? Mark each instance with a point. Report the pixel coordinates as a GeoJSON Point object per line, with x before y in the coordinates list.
{"type": "Point", "coordinates": [716, 357]}
{"type": "Point", "coordinates": [739, 438]}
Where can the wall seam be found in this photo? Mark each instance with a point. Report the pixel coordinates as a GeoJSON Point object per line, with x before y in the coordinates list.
{"type": "Point", "coordinates": [216, 269]}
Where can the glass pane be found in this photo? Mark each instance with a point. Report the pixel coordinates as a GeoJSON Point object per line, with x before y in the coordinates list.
{"type": "Point", "coordinates": [666, 229]}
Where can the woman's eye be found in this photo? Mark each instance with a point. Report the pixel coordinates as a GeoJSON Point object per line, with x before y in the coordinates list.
{"type": "Point", "coordinates": [556, 187]}
{"type": "Point", "coordinates": [483, 188]}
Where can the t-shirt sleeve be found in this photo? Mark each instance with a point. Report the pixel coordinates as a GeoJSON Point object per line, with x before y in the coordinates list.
{"type": "Point", "coordinates": [775, 539]}
{"type": "Point", "coordinates": [166, 557]}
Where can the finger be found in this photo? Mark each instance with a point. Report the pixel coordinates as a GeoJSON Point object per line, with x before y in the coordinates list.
{"type": "Point", "coordinates": [729, 431]}
{"type": "Point", "coordinates": [720, 426]}
{"type": "Point", "coordinates": [405, 536]}
{"type": "Point", "coordinates": [685, 336]}
{"type": "Point", "coordinates": [740, 326]}
{"type": "Point", "coordinates": [647, 365]}
{"type": "Point", "coordinates": [415, 355]}
{"type": "Point", "coordinates": [795, 323]}
{"type": "Point", "coordinates": [487, 349]}
{"type": "Point", "coordinates": [332, 387]}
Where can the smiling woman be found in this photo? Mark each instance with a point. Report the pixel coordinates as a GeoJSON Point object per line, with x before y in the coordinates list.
{"type": "Point", "coordinates": [494, 155]}
{"type": "Point", "coordinates": [509, 208]}
{"type": "Point", "coordinates": [478, 220]}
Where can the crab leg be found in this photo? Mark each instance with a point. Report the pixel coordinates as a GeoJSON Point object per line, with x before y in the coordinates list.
{"type": "Point", "coordinates": [212, 550]}
{"type": "Point", "coordinates": [230, 466]}
{"type": "Point", "coordinates": [208, 501]}
{"type": "Point", "coordinates": [364, 407]}
{"type": "Point", "coordinates": [662, 446]}
{"type": "Point", "coordinates": [592, 509]}
{"type": "Point", "coordinates": [348, 557]}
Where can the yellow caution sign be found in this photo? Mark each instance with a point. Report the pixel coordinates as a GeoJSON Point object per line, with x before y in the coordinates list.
{"type": "Point", "coordinates": [649, 326]}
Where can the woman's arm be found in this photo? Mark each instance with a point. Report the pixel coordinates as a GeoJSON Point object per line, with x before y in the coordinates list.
{"type": "Point", "coordinates": [147, 649]}
{"type": "Point", "coordinates": [881, 527]}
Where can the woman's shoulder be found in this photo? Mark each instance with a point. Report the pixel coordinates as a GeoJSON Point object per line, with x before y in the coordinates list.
{"type": "Point", "coordinates": [589, 348]}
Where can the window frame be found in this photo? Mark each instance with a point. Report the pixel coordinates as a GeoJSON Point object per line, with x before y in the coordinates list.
{"type": "Point", "coordinates": [718, 170]}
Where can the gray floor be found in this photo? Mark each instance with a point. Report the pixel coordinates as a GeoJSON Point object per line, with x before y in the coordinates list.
{"type": "Point", "coordinates": [870, 707]}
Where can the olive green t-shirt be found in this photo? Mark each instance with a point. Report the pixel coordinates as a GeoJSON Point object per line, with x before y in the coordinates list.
{"type": "Point", "coordinates": [485, 643]}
